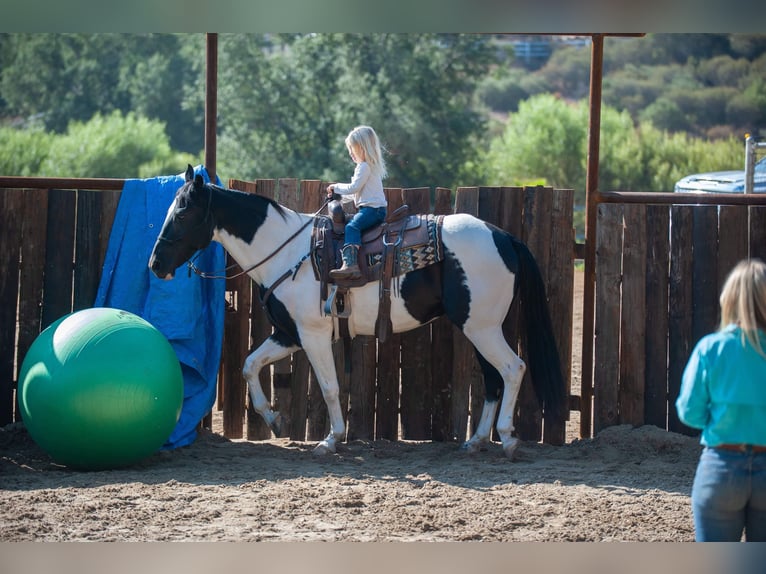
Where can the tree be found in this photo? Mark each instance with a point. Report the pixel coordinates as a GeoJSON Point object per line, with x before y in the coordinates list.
{"type": "Point", "coordinates": [109, 146]}
{"type": "Point", "coordinates": [59, 78]}
{"type": "Point", "coordinates": [544, 141]}
{"type": "Point", "coordinates": [62, 77]}
{"type": "Point", "coordinates": [23, 151]}
{"type": "Point", "coordinates": [289, 101]}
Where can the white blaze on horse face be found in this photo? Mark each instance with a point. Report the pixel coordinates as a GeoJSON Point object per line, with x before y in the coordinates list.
{"type": "Point", "coordinates": [171, 209]}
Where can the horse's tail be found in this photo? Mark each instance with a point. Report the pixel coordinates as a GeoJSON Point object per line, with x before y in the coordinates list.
{"type": "Point", "coordinates": [541, 352]}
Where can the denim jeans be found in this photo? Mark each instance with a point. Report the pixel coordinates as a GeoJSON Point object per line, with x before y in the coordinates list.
{"type": "Point", "coordinates": [365, 218]}
{"type": "Point", "coordinates": [729, 496]}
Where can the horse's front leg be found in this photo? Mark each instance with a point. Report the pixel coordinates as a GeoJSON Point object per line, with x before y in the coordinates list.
{"type": "Point", "coordinates": [318, 347]}
{"type": "Point", "coordinates": [268, 352]}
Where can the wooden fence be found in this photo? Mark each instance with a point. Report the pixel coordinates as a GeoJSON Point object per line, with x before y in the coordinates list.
{"type": "Point", "coordinates": [52, 246]}
{"type": "Point", "coordinates": [659, 270]}
{"type": "Point", "coordinates": [418, 385]}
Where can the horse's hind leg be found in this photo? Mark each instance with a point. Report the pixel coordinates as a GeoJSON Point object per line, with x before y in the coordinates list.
{"type": "Point", "coordinates": [501, 366]}
{"type": "Point", "coordinates": [268, 352]}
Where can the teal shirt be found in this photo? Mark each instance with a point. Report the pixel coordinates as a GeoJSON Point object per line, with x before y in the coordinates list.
{"type": "Point", "coordinates": [723, 390]}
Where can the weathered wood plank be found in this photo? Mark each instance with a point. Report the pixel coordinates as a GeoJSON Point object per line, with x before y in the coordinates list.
{"type": "Point", "coordinates": [512, 220]}
{"type": "Point", "coordinates": [465, 366]}
{"type": "Point", "coordinates": [441, 347]}
{"type": "Point", "coordinates": [59, 255]}
{"type": "Point", "coordinates": [317, 423]}
{"type": "Point", "coordinates": [417, 377]}
{"type": "Point", "coordinates": [758, 232]}
{"type": "Point", "coordinates": [490, 199]}
{"type": "Point", "coordinates": [656, 317]}
{"type": "Point", "coordinates": [704, 271]}
{"type": "Point", "coordinates": [286, 194]}
{"type": "Point", "coordinates": [87, 246]}
{"type": "Point", "coordinates": [732, 240]}
{"type": "Point", "coordinates": [237, 409]}
{"type": "Point", "coordinates": [387, 391]}
{"type": "Point", "coordinates": [560, 291]}
{"type": "Point", "coordinates": [109, 202]}
{"type": "Point", "coordinates": [680, 306]}
{"type": "Point", "coordinates": [232, 393]}
{"type": "Point", "coordinates": [606, 370]}
{"type": "Point", "coordinates": [633, 312]}
{"type": "Point", "coordinates": [34, 230]}
{"type": "Point", "coordinates": [11, 209]}
{"type": "Point", "coordinates": [536, 233]}
{"type": "Point", "coordinates": [361, 409]}
{"type": "Point", "coordinates": [310, 202]}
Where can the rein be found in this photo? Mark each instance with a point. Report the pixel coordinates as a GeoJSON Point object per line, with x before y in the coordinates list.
{"type": "Point", "coordinates": [216, 275]}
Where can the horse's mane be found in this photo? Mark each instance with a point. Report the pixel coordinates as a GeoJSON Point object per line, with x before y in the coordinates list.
{"type": "Point", "coordinates": [247, 200]}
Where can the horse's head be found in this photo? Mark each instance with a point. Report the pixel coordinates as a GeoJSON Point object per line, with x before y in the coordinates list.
{"type": "Point", "coordinates": [188, 227]}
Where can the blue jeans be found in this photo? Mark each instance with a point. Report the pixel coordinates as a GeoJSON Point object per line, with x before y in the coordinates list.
{"type": "Point", "coordinates": [729, 496]}
{"type": "Point", "coordinates": [363, 219]}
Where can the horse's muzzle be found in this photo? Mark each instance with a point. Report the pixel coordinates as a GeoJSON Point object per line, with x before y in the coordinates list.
{"type": "Point", "coordinates": [154, 265]}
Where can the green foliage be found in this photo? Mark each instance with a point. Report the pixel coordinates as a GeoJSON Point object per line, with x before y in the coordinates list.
{"type": "Point", "coordinates": [108, 146]}
{"type": "Point", "coordinates": [567, 73]}
{"type": "Point", "coordinates": [61, 78]}
{"type": "Point", "coordinates": [544, 140]}
{"type": "Point", "coordinates": [438, 101]}
{"type": "Point", "coordinates": [23, 151]}
{"type": "Point", "coordinates": [665, 114]}
{"type": "Point", "coordinates": [287, 103]}
{"type": "Point", "coordinates": [503, 92]}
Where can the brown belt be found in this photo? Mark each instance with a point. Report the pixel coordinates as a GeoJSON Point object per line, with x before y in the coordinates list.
{"type": "Point", "coordinates": [742, 447]}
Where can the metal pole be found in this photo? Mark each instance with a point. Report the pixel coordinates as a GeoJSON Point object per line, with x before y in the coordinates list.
{"type": "Point", "coordinates": [591, 212]}
{"type": "Point", "coordinates": [211, 103]}
{"type": "Point", "coordinates": [749, 163]}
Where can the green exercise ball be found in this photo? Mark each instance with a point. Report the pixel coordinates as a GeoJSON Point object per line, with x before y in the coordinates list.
{"type": "Point", "coordinates": [100, 388]}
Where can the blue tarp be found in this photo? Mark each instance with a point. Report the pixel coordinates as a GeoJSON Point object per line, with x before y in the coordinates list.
{"type": "Point", "coordinates": [189, 311]}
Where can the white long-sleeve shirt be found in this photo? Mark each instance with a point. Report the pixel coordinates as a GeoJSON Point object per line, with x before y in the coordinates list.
{"type": "Point", "coordinates": [365, 186]}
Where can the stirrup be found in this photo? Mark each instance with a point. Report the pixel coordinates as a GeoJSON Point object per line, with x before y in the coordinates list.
{"type": "Point", "coordinates": [331, 305]}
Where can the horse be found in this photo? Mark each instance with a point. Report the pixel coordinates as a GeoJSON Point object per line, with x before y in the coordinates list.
{"type": "Point", "coordinates": [483, 270]}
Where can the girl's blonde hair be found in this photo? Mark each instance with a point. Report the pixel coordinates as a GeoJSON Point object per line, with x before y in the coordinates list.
{"type": "Point", "coordinates": [365, 138]}
{"type": "Point", "coordinates": [743, 300]}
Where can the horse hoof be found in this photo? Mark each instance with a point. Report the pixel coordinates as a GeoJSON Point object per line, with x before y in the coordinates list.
{"type": "Point", "coordinates": [323, 449]}
{"type": "Point", "coordinates": [470, 447]}
{"type": "Point", "coordinates": [277, 425]}
{"type": "Point", "coordinates": [509, 448]}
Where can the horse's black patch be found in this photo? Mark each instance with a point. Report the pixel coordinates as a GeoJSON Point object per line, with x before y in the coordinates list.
{"type": "Point", "coordinates": [456, 297]}
{"type": "Point", "coordinates": [493, 382]}
{"type": "Point", "coordinates": [504, 244]}
{"type": "Point", "coordinates": [422, 293]}
{"type": "Point", "coordinates": [242, 214]}
{"type": "Point", "coordinates": [286, 331]}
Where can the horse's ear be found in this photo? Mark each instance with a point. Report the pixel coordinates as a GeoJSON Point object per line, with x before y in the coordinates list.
{"type": "Point", "coordinates": [198, 181]}
{"type": "Point", "coordinates": [189, 173]}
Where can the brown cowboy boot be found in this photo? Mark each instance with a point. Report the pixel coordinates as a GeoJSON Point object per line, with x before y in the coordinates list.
{"type": "Point", "coordinates": [350, 268]}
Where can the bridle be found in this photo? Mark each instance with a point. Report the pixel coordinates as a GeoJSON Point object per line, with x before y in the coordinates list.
{"type": "Point", "coordinates": [208, 219]}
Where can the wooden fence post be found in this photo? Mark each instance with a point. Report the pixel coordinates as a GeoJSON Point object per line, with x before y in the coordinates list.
{"type": "Point", "coordinates": [417, 381]}
{"type": "Point", "coordinates": [387, 391]}
{"type": "Point", "coordinates": [606, 371]}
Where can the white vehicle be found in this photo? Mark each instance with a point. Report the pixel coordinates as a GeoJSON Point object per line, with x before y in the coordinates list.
{"type": "Point", "coordinates": [727, 181]}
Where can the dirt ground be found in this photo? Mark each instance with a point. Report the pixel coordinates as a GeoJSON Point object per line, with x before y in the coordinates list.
{"type": "Point", "coordinates": [625, 484]}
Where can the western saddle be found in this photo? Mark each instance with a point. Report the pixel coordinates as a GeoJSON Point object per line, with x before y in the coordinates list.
{"type": "Point", "coordinates": [400, 244]}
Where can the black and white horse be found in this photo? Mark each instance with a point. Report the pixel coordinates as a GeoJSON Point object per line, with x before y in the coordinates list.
{"type": "Point", "coordinates": [483, 269]}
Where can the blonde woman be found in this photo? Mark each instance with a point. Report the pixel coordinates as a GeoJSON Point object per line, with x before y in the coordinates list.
{"type": "Point", "coordinates": [367, 188]}
{"type": "Point", "coordinates": [723, 393]}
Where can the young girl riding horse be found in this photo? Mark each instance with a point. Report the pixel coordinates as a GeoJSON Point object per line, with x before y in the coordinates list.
{"type": "Point", "coordinates": [367, 188]}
